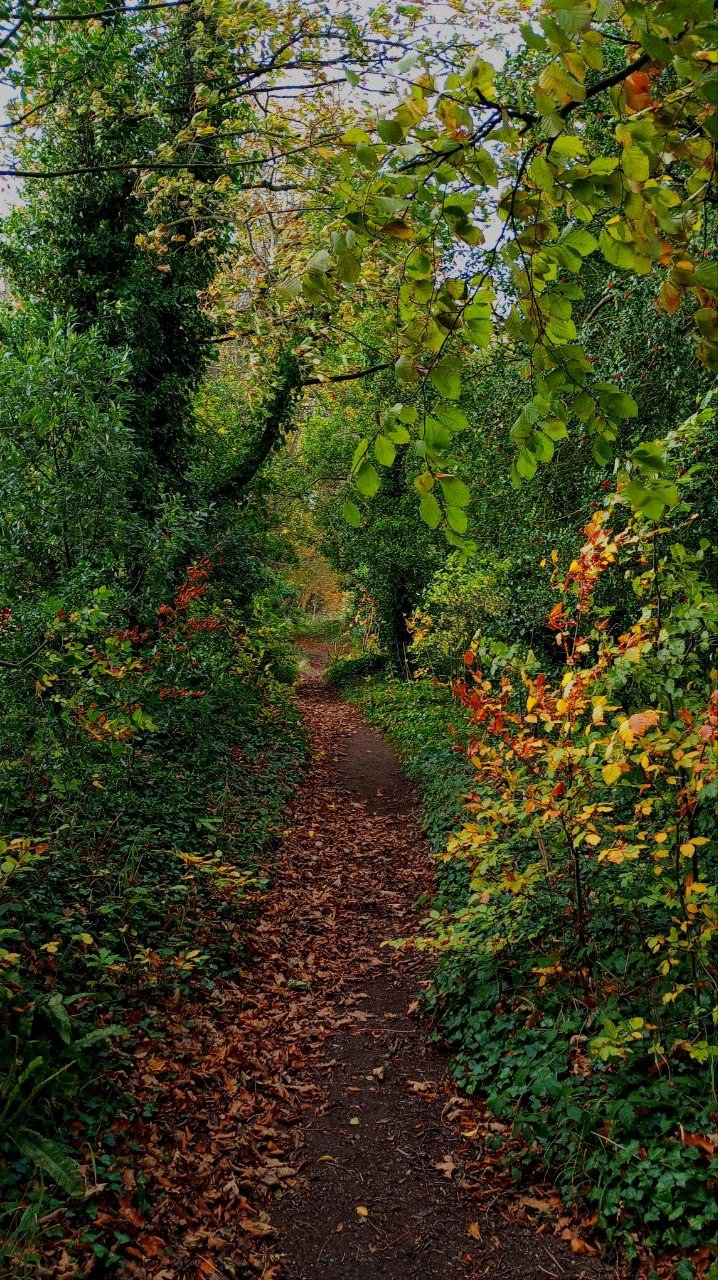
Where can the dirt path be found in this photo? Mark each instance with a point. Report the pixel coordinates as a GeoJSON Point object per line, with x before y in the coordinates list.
{"type": "Point", "coordinates": [299, 1124]}
{"type": "Point", "coordinates": [394, 1180]}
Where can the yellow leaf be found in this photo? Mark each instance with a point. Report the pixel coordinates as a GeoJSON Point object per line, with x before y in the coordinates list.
{"type": "Point", "coordinates": [688, 849]}
{"type": "Point", "coordinates": [85, 937]}
{"type": "Point", "coordinates": [362, 1211]}
{"type": "Point", "coordinates": [474, 1231]}
{"type": "Point", "coordinates": [593, 839]}
{"type": "Point", "coordinates": [611, 773]}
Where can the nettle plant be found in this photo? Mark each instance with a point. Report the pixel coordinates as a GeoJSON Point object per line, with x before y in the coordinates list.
{"type": "Point", "coordinates": [592, 837]}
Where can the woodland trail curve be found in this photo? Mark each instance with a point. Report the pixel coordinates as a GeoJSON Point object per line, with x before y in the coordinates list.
{"type": "Point", "coordinates": [299, 1123]}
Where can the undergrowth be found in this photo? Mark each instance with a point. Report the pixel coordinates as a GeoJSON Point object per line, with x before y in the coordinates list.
{"type": "Point", "coordinates": [152, 789]}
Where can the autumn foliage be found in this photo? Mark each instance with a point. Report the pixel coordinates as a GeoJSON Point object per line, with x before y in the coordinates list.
{"type": "Point", "coordinates": [590, 850]}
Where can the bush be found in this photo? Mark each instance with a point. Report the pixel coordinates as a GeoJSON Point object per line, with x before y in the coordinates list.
{"type": "Point", "coordinates": [350, 669]}
{"type": "Point", "coordinates": [463, 604]}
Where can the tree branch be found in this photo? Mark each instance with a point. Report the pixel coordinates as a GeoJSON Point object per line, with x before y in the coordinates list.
{"type": "Point", "coordinates": [347, 377]}
{"type": "Point", "coordinates": [275, 414]}
{"type": "Point", "coordinates": [608, 83]}
{"type": "Point", "coordinates": [131, 11]}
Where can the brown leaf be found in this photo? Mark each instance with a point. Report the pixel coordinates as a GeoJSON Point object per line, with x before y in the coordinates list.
{"type": "Point", "coordinates": [706, 1143]}
{"type": "Point", "coordinates": [541, 1206]}
{"type": "Point", "coordinates": [151, 1246]}
{"type": "Point", "coordinates": [446, 1166]}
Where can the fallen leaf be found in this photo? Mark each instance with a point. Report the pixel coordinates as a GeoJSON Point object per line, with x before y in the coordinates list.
{"type": "Point", "coordinates": [541, 1206]}
{"type": "Point", "coordinates": [446, 1166]}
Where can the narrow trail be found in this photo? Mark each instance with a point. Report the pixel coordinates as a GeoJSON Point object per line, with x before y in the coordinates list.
{"type": "Point", "coordinates": [301, 1125]}
{"type": "Point", "coordinates": [389, 1136]}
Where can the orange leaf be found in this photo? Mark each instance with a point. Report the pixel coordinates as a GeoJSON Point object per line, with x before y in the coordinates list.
{"type": "Point", "coordinates": [637, 90]}
{"type": "Point", "coordinates": [151, 1245]}
{"type": "Point", "coordinates": [642, 721]}
{"type": "Point", "coordinates": [708, 1145]}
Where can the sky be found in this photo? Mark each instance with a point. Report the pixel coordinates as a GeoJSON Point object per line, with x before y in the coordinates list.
{"type": "Point", "coordinates": [501, 39]}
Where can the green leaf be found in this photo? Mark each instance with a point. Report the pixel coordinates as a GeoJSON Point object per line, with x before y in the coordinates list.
{"type": "Point", "coordinates": [526, 464]}
{"type": "Point", "coordinates": [352, 514]}
{"type": "Point", "coordinates": [445, 375]}
{"type": "Point", "coordinates": [348, 267]}
{"type": "Point", "coordinates": [367, 155]}
{"type": "Point", "coordinates": [398, 434]}
{"type": "Point", "coordinates": [707, 276]}
{"type": "Point", "coordinates": [425, 482]}
{"type": "Point", "coordinates": [289, 289]}
{"type": "Point", "coordinates": [623, 254]}
{"type": "Point", "coordinates": [320, 262]}
{"type": "Point", "coordinates": [455, 492]}
{"type": "Point", "coordinates": [58, 1014]}
{"type": "Point", "coordinates": [541, 174]}
{"type": "Point", "coordinates": [635, 165]}
{"type": "Point", "coordinates": [582, 241]}
{"type": "Point", "coordinates": [390, 131]}
{"type": "Point", "coordinates": [100, 1033]}
{"type": "Point", "coordinates": [583, 406]}
{"type": "Point", "coordinates": [359, 453]}
{"type": "Point", "coordinates": [430, 511]}
{"type": "Point", "coordinates": [618, 404]}
{"type": "Point", "coordinates": [405, 369]}
{"type": "Point", "coordinates": [650, 498]}
{"type": "Point", "coordinates": [52, 1160]}
{"type": "Point", "coordinates": [384, 451]}
{"type": "Point", "coordinates": [554, 428]}
{"type": "Point", "coordinates": [568, 145]}
{"type": "Point", "coordinates": [542, 446]}
{"type": "Point", "coordinates": [354, 136]}
{"type": "Point", "coordinates": [436, 436]}
{"type": "Point", "coordinates": [367, 479]}
{"type": "Point", "coordinates": [650, 458]}
{"type": "Point", "coordinates": [406, 412]}
{"type": "Point", "coordinates": [451, 416]}
{"type": "Point", "coordinates": [602, 450]}
{"type": "Point", "coordinates": [456, 519]}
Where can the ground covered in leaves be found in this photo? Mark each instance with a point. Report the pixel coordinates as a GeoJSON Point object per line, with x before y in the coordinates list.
{"type": "Point", "coordinates": [301, 1124]}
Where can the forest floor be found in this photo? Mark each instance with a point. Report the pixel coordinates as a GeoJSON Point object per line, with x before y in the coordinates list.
{"type": "Point", "coordinates": [302, 1124]}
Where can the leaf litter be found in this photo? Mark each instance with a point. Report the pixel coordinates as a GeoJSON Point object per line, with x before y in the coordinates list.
{"type": "Point", "coordinates": [300, 1123]}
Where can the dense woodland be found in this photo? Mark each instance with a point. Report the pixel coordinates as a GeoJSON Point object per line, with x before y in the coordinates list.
{"type": "Point", "coordinates": [397, 329]}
